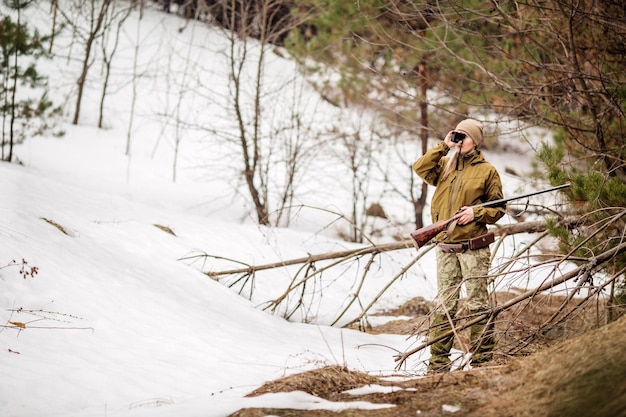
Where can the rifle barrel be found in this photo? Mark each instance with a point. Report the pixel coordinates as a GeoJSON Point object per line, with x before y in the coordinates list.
{"type": "Point", "coordinates": [518, 197]}
{"type": "Point", "coordinates": [423, 235]}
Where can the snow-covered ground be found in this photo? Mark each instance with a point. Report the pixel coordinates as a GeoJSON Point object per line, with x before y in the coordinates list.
{"type": "Point", "coordinates": [120, 318]}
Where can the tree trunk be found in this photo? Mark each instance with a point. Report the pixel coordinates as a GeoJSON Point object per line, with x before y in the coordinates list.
{"type": "Point", "coordinates": [91, 38]}
{"type": "Point", "coordinates": [55, 6]}
{"type": "Point", "coordinates": [421, 201]}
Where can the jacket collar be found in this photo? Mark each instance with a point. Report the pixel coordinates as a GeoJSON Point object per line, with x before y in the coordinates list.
{"type": "Point", "coordinates": [472, 158]}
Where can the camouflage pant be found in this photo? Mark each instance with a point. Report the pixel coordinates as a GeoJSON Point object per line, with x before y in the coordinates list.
{"type": "Point", "coordinates": [453, 269]}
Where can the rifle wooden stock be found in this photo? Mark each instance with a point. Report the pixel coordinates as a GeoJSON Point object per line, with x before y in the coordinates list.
{"type": "Point", "coordinates": [423, 235]}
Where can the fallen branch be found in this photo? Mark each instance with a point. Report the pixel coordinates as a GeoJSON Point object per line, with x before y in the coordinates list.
{"type": "Point", "coordinates": [318, 272]}
{"type": "Point", "coordinates": [386, 287]}
{"type": "Point", "coordinates": [311, 270]}
{"type": "Point", "coordinates": [405, 244]}
{"type": "Point", "coordinates": [499, 230]}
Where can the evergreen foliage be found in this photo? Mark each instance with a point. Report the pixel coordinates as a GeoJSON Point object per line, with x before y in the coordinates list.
{"type": "Point", "coordinates": [25, 109]}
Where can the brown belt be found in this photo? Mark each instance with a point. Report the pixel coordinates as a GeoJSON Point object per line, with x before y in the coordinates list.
{"type": "Point", "coordinates": [479, 242]}
{"type": "Point", "coordinates": [453, 247]}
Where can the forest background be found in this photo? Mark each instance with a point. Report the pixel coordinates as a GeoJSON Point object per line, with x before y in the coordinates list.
{"type": "Point", "coordinates": [557, 65]}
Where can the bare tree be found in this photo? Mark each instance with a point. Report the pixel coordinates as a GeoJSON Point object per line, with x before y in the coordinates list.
{"type": "Point", "coordinates": [252, 29]}
{"type": "Point", "coordinates": [420, 202]}
{"type": "Point", "coordinates": [114, 20]}
{"type": "Point", "coordinates": [95, 12]}
{"type": "Point", "coordinates": [134, 82]}
{"type": "Point", "coordinates": [358, 151]}
{"type": "Point", "coordinates": [54, 8]}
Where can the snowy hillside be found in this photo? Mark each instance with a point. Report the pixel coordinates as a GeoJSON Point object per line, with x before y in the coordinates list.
{"type": "Point", "coordinates": [114, 323]}
{"type": "Point", "coordinates": [120, 319]}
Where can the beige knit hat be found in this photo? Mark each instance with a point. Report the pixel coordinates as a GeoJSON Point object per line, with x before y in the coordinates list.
{"type": "Point", "coordinates": [473, 128]}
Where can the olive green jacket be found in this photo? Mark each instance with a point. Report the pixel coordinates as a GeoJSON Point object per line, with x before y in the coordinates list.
{"type": "Point", "coordinates": [473, 182]}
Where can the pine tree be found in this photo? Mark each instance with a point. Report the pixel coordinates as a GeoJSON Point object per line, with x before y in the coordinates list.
{"type": "Point", "coordinates": [24, 106]}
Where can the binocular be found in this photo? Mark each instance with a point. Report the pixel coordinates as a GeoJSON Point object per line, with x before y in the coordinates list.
{"type": "Point", "coordinates": [457, 137]}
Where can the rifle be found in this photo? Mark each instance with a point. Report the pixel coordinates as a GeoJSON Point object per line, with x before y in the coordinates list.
{"type": "Point", "coordinates": [423, 235]}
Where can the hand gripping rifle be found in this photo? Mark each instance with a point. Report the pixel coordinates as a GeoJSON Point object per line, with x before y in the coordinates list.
{"type": "Point", "coordinates": [423, 235]}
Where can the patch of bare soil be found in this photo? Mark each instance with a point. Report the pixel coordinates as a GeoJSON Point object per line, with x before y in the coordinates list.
{"type": "Point", "coordinates": [561, 369]}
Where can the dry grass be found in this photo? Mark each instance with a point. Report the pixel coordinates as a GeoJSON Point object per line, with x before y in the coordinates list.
{"type": "Point", "coordinates": [582, 376]}
{"type": "Point", "coordinates": [572, 371]}
{"type": "Point", "coordinates": [55, 224]}
{"type": "Point", "coordinates": [324, 382]}
{"type": "Point", "coordinates": [425, 396]}
{"type": "Point", "coordinates": [166, 229]}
